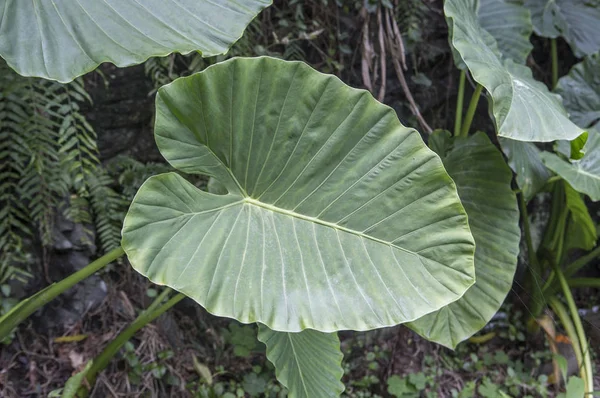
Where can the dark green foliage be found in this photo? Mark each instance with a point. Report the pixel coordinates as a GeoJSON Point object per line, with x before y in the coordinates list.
{"type": "Point", "coordinates": [48, 154]}
{"type": "Point", "coordinates": [15, 164]}
{"type": "Point", "coordinates": [108, 209]}
{"type": "Point", "coordinates": [14, 155]}
{"type": "Point", "coordinates": [130, 174]}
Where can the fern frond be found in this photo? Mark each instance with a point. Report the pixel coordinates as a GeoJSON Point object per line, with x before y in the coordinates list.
{"type": "Point", "coordinates": [14, 156]}
{"type": "Point", "coordinates": [130, 174]}
{"type": "Point", "coordinates": [47, 152]}
{"type": "Point", "coordinates": [76, 138]}
{"type": "Point", "coordinates": [41, 182]}
{"type": "Point", "coordinates": [108, 208]}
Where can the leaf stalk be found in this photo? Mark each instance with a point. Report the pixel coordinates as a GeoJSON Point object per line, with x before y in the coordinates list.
{"type": "Point", "coordinates": [155, 310]}
{"type": "Point", "coordinates": [471, 111]}
{"type": "Point", "coordinates": [459, 103]}
{"type": "Point", "coordinates": [28, 306]}
{"type": "Point", "coordinates": [586, 368]}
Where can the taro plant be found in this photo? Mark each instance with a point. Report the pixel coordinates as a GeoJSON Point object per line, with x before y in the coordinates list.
{"type": "Point", "coordinates": [525, 110]}
{"type": "Point", "coordinates": [324, 212]}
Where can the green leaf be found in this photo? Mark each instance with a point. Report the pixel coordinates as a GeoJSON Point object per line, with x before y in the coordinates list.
{"type": "Point", "coordinates": [575, 388]}
{"type": "Point", "coordinates": [254, 385]}
{"type": "Point", "coordinates": [337, 216]}
{"type": "Point", "coordinates": [202, 370]}
{"type": "Point", "coordinates": [401, 388]}
{"type": "Point", "coordinates": [483, 181]}
{"type": "Point", "coordinates": [307, 363]}
{"type": "Point", "coordinates": [61, 40]}
{"type": "Point", "coordinates": [581, 231]}
{"type": "Point", "coordinates": [583, 174]}
{"type": "Point", "coordinates": [510, 24]}
{"type": "Point", "coordinates": [440, 142]}
{"type": "Point", "coordinates": [575, 20]}
{"type": "Point", "coordinates": [523, 108]}
{"type": "Point", "coordinates": [418, 380]}
{"type": "Point", "coordinates": [577, 146]}
{"type": "Point", "coordinates": [562, 363]}
{"type": "Point", "coordinates": [524, 159]}
{"type": "Point", "coordinates": [488, 389]}
{"type": "Point", "coordinates": [242, 338]}
{"type": "Point", "coordinates": [74, 382]}
{"type": "Point", "coordinates": [580, 90]}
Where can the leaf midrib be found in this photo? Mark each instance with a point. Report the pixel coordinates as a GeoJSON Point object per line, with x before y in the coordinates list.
{"type": "Point", "coordinates": [319, 221]}
{"type": "Point", "coordinates": [275, 209]}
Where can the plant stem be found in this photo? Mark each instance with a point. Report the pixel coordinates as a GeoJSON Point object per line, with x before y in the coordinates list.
{"type": "Point", "coordinates": [587, 360]}
{"type": "Point", "coordinates": [554, 55]}
{"type": "Point", "coordinates": [560, 310]}
{"type": "Point", "coordinates": [459, 103]}
{"type": "Point", "coordinates": [28, 306]}
{"type": "Point", "coordinates": [159, 299]}
{"type": "Point", "coordinates": [534, 265]}
{"type": "Point", "coordinates": [551, 287]}
{"type": "Point", "coordinates": [155, 310]}
{"type": "Point", "coordinates": [533, 260]}
{"type": "Point", "coordinates": [471, 110]}
{"type": "Point", "coordinates": [584, 282]}
{"type": "Point", "coordinates": [554, 235]}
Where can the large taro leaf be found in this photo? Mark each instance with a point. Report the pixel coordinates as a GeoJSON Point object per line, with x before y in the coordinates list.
{"type": "Point", "coordinates": [575, 20]}
{"type": "Point", "coordinates": [523, 108]}
{"type": "Point", "coordinates": [509, 23]}
{"type": "Point", "coordinates": [336, 217]}
{"type": "Point", "coordinates": [493, 214]}
{"type": "Point", "coordinates": [524, 159]}
{"type": "Point", "coordinates": [308, 363]}
{"type": "Point", "coordinates": [583, 174]}
{"type": "Point", "coordinates": [61, 40]}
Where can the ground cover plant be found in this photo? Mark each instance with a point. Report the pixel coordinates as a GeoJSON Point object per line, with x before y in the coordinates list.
{"type": "Point", "coordinates": [304, 205]}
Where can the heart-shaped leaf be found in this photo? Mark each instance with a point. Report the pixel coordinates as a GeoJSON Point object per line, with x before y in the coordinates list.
{"type": "Point", "coordinates": [483, 182]}
{"type": "Point", "coordinates": [61, 40]}
{"type": "Point", "coordinates": [523, 108]}
{"type": "Point", "coordinates": [575, 20]}
{"type": "Point", "coordinates": [336, 216]}
{"type": "Point", "coordinates": [308, 363]}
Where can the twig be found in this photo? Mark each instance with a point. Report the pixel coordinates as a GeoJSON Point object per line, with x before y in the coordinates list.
{"type": "Point", "coordinates": [394, 40]}
{"type": "Point", "coordinates": [382, 57]}
{"type": "Point", "coordinates": [400, 41]}
{"type": "Point", "coordinates": [108, 386]}
{"type": "Point", "coordinates": [367, 55]}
